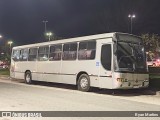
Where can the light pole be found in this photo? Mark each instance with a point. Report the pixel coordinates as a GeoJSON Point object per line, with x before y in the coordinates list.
{"type": "Point", "coordinates": [10, 45]}
{"type": "Point", "coordinates": [131, 17]}
{"type": "Point", "coordinates": [49, 34]}
{"type": "Point", "coordinates": [45, 25]}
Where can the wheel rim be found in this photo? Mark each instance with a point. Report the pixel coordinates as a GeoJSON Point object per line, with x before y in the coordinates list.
{"type": "Point", "coordinates": [28, 78]}
{"type": "Point", "coordinates": [84, 83]}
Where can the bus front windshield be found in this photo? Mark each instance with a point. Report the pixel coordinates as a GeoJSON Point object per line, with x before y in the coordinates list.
{"type": "Point", "coordinates": [130, 56]}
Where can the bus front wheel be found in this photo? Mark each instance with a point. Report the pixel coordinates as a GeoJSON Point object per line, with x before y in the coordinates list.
{"type": "Point", "coordinates": [84, 83]}
{"type": "Point", "coordinates": [28, 77]}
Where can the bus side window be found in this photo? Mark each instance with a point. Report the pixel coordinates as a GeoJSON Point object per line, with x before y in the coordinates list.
{"type": "Point", "coordinates": [55, 52]}
{"type": "Point", "coordinates": [73, 51]}
{"type": "Point", "coordinates": [65, 51]}
{"type": "Point", "coordinates": [70, 51]}
{"type": "Point", "coordinates": [92, 48]}
{"type": "Point", "coordinates": [16, 55]}
{"type": "Point", "coordinates": [24, 55]}
{"type": "Point", "coordinates": [32, 54]}
{"type": "Point", "coordinates": [43, 53]}
{"type": "Point", "coordinates": [87, 50]}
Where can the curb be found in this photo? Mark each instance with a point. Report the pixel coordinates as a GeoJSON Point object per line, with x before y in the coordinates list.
{"type": "Point", "coordinates": [6, 77]}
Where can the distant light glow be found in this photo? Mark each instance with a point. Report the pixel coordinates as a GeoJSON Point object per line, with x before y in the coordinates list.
{"type": "Point", "coordinates": [10, 42]}
{"type": "Point", "coordinates": [49, 34]}
{"type": "Point", "coordinates": [131, 16]}
{"type": "Point", "coordinates": [45, 21]}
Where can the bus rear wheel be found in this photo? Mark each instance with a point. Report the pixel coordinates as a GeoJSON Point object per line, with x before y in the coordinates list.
{"type": "Point", "coordinates": [84, 83]}
{"type": "Point", "coordinates": [28, 77]}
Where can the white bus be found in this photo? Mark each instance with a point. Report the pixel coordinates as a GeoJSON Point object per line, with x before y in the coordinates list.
{"type": "Point", "coordinates": [110, 60]}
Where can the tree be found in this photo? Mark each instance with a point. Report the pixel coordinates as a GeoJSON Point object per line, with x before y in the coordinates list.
{"type": "Point", "coordinates": [4, 53]}
{"type": "Point", "coordinates": [151, 43]}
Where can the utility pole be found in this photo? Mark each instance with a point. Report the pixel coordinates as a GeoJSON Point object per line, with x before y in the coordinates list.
{"type": "Point", "coordinates": [10, 46]}
{"type": "Point", "coordinates": [45, 25]}
{"type": "Point", "coordinates": [131, 17]}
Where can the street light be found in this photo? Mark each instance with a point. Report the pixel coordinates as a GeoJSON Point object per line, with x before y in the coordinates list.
{"type": "Point", "coordinates": [131, 17]}
{"type": "Point", "coordinates": [10, 45]}
{"type": "Point", "coordinates": [49, 34]}
{"type": "Point", "coordinates": [0, 36]}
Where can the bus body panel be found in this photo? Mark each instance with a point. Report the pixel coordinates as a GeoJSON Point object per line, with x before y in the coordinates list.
{"type": "Point", "coordinates": [21, 67]}
{"type": "Point", "coordinates": [105, 76]}
{"type": "Point", "coordinates": [94, 81]}
{"type": "Point", "coordinates": [105, 82]}
{"type": "Point", "coordinates": [130, 80]}
{"type": "Point", "coordinates": [46, 69]}
{"type": "Point", "coordinates": [66, 71]}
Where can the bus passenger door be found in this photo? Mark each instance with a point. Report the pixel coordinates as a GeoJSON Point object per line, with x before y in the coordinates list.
{"type": "Point", "coordinates": [105, 76]}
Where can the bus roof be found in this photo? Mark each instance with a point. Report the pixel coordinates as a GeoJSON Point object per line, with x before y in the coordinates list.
{"type": "Point", "coordinates": [76, 39]}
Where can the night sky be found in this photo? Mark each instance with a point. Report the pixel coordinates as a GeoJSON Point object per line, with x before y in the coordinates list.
{"type": "Point", "coordinates": [21, 20]}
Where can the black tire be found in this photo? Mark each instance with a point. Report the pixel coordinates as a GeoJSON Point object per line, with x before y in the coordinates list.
{"type": "Point", "coordinates": [84, 83]}
{"type": "Point", "coordinates": [28, 77]}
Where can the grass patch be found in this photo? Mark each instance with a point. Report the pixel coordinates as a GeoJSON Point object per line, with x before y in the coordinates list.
{"type": "Point", "coordinates": [4, 71]}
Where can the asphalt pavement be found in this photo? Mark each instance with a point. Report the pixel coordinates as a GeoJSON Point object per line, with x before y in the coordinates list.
{"type": "Point", "coordinates": [15, 95]}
